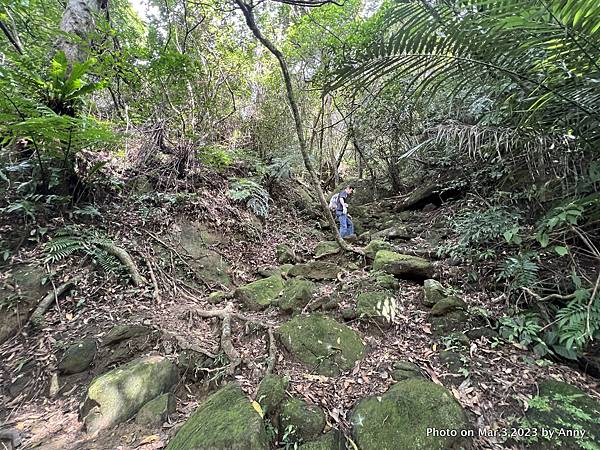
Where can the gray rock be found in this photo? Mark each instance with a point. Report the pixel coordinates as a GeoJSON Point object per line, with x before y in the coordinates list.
{"type": "Point", "coordinates": [78, 357]}
{"type": "Point", "coordinates": [156, 411]}
{"type": "Point", "coordinates": [117, 395]}
{"type": "Point", "coordinates": [123, 332]}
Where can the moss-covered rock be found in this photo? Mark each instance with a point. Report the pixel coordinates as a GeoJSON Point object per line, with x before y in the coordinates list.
{"type": "Point", "coordinates": [224, 421]}
{"type": "Point", "coordinates": [405, 370]}
{"type": "Point", "coordinates": [78, 357]}
{"type": "Point", "coordinates": [123, 332]}
{"type": "Point", "coordinates": [448, 323]}
{"type": "Point", "coordinates": [217, 297]}
{"type": "Point", "coordinates": [285, 254]}
{"type": "Point", "coordinates": [400, 418]}
{"type": "Point", "coordinates": [433, 292]}
{"type": "Point", "coordinates": [379, 305]}
{"type": "Point", "coordinates": [315, 270]}
{"type": "Point", "coordinates": [307, 420]}
{"type": "Point", "coordinates": [394, 232]}
{"type": "Point", "coordinates": [326, 248]}
{"type": "Point", "coordinates": [322, 343]}
{"type": "Point", "coordinates": [403, 266]}
{"type": "Point", "coordinates": [452, 360]}
{"type": "Point", "coordinates": [445, 305]}
{"type": "Point", "coordinates": [329, 441]}
{"type": "Point", "coordinates": [375, 245]}
{"type": "Point", "coordinates": [117, 395]}
{"type": "Point", "coordinates": [271, 392]}
{"type": "Point", "coordinates": [156, 411]}
{"type": "Point", "coordinates": [478, 333]}
{"type": "Point", "coordinates": [17, 303]}
{"type": "Point", "coordinates": [260, 294]}
{"type": "Point", "coordinates": [569, 417]}
{"type": "Point", "coordinates": [296, 294]}
{"type": "Point", "coordinates": [382, 280]}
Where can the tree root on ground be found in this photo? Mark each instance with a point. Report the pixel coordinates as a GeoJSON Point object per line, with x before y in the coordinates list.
{"type": "Point", "coordinates": [122, 255]}
{"type": "Point", "coordinates": [51, 297]}
{"type": "Point", "coordinates": [226, 314]}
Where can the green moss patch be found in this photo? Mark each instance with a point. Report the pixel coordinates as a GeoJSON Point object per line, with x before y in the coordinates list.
{"type": "Point", "coordinates": [400, 418]}
{"type": "Point", "coordinates": [296, 294]}
{"type": "Point", "coordinates": [403, 266]}
{"type": "Point", "coordinates": [307, 420]}
{"type": "Point", "coordinates": [259, 295]}
{"type": "Point", "coordinates": [224, 421]}
{"type": "Point", "coordinates": [322, 343]}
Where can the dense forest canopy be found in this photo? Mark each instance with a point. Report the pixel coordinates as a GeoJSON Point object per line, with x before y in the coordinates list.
{"type": "Point", "coordinates": [487, 109]}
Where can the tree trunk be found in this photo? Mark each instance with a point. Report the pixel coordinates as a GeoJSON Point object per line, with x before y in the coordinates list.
{"type": "Point", "coordinates": [78, 21]}
{"type": "Point", "coordinates": [249, 16]}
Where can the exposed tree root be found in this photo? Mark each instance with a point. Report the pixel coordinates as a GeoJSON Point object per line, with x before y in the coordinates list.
{"type": "Point", "coordinates": [51, 297]}
{"type": "Point", "coordinates": [226, 314]}
{"type": "Point", "coordinates": [122, 255]}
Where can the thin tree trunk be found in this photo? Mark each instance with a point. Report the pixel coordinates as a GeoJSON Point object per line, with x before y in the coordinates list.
{"type": "Point", "coordinates": [78, 19]}
{"type": "Point", "coordinates": [249, 16]}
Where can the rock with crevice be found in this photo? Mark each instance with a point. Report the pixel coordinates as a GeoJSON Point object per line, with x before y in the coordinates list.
{"type": "Point", "coordinates": [405, 370]}
{"type": "Point", "coordinates": [117, 395]}
{"type": "Point", "coordinates": [403, 266]}
{"type": "Point", "coordinates": [321, 343]}
{"type": "Point", "coordinates": [401, 417]}
{"type": "Point", "coordinates": [450, 322]}
{"type": "Point", "coordinates": [78, 357]}
{"type": "Point", "coordinates": [226, 420]}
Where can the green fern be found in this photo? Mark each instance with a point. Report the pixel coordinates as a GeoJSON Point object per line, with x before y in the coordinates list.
{"type": "Point", "coordinates": [255, 196]}
{"type": "Point", "coordinates": [574, 319]}
{"type": "Point", "coordinates": [72, 239]}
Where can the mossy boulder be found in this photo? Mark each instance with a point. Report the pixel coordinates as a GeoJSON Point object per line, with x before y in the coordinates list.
{"type": "Point", "coordinates": [296, 294]}
{"type": "Point", "coordinates": [326, 248]}
{"type": "Point", "coordinates": [315, 270]}
{"type": "Point", "coordinates": [445, 305]}
{"type": "Point", "coordinates": [433, 292]}
{"type": "Point", "coordinates": [78, 357]}
{"type": "Point", "coordinates": [403, 266]}
{"type": "Point", "coordinates": [448, 323]}
{"type": "Point", "coordinates": [307, 420]}
{"type": "Point", "coordinates": [569, 417]}
{"type": "Point", "coordinates": [156, 411]}
{"type": "Point", "coordinates": [260, 294]}
{"type": "Point", "coordinates": [322, 343]}
{"type": "Point", "coordinates": [394, 232]}
{"type": "Point", "coordinates": [405, 370]}
{"type": "Point", "coordinates": [329, 441]}
{"type": "Point", "coordinates": [285, 254]}
{"type": "Point", "coordinates": [224, 421]}
{"type": "Point", "coordinates": [381, 280]}
{"type": "Point", "coordinates": [123, 332]}
{"type": "Point", "coordinates": [217, 297]}
{"type": "Point", "coordinates": [400, 418]}
{"type": "Point", "coordinates": [271, 392]}
{"type": "Point", "coordinates": [117, 395]}
{"type": "Point", "coordinates": [22, 292]}
{"type": "Point", "coordinates": [378, 305]}
{"type": "Point", "coordinates": [375, 245]}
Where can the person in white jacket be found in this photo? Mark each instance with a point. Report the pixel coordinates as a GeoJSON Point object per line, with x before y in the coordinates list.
{"type": "Point", "coordinates": [341, 212]}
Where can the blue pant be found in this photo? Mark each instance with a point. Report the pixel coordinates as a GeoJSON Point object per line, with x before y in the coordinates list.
{"type": "Point", "coordinates": [346, 225]}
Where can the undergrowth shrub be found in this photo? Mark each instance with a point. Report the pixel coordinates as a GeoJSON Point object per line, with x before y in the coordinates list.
{"type": "Point", "coordinates": [253, 195]}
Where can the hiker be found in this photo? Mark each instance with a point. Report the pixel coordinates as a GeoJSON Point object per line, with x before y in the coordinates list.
{"type": "Point", "coordinates": [341, 212]}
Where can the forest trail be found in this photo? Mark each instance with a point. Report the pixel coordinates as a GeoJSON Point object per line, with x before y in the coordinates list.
{"type": "Point", "coordinates": [340, 327]}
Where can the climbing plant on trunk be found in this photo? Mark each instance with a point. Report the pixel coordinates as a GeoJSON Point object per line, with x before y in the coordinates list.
{"type": "Point", "coordinates": [247, 10]}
